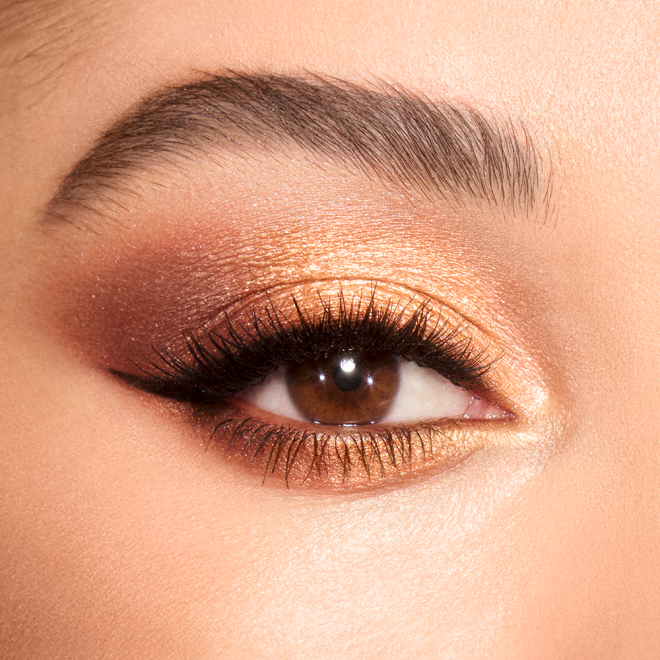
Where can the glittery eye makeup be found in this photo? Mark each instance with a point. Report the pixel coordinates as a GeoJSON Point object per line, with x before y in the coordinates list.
{"type": "Point", "coordinates": [295, 381]}
{"type": "Point", "coordinates": [348, 385]}
{"type": "Point", "coordinates": [324, 322]}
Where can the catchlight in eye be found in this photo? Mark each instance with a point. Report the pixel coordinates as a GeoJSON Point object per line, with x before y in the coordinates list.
{"type": "Point", "coordinates": [324, 390]}
{"type": "Point", "coordinates": [345, 388]}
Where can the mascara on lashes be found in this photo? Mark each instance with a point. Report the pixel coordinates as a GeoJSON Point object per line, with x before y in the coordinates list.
{"type": "Point", "coordinates": [219, 364]}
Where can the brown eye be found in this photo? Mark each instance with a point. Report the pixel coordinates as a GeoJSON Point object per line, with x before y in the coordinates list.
{"type": "Point", "coordinates": [346, 388]}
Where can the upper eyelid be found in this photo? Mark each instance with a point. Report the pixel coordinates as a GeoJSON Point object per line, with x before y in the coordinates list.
{"type": "Point", "coordinates": [410, 324]}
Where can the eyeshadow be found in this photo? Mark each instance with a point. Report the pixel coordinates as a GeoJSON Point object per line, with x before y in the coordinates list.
{"type": "Point", "coordinates": [171, 259]}
{"type": "Point", "coordinates": [155, 273]}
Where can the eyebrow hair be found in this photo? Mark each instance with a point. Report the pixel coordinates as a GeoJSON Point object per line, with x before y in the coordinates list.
{"type": "Point", "coordinates": [441, 149]}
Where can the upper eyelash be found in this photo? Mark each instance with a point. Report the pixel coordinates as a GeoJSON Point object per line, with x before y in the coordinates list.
{"type": "Point", "coordinates": [218, 365]}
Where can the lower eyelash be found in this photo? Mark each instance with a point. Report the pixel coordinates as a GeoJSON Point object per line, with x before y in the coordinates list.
{"type": "Point", "coordinates": [210, 369]}
{"type": "Point", "coordinates": [362, 455]}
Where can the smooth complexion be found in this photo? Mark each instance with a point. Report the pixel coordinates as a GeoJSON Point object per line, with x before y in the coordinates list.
{"type": "Point", "coordinates": [122, 535]}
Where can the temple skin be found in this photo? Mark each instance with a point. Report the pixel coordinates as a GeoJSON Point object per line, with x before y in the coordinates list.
{"type": "Point", "coordinates": [122, 535]}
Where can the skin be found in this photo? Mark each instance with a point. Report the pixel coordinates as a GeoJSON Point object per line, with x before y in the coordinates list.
{"type": "Point", "coordinates": [120, 536]}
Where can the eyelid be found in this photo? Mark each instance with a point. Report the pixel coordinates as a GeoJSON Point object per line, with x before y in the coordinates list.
{"type": "Point", "coordinates": [242, 338]}
{"type": "Point", "coordinates": [240, 346]}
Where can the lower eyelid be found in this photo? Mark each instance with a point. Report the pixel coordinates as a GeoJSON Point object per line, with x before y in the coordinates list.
{"type": "Point", "coordinates": [321, 459]}
{"type": "Point", "coordinates": [284, 453]}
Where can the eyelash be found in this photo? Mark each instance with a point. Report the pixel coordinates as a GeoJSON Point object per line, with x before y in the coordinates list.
{"type": "Point", "coordinates": [218, 365]}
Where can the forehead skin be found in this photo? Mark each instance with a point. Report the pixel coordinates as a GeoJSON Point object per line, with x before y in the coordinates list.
{"type": "Point", "coordinates": [566, 567]}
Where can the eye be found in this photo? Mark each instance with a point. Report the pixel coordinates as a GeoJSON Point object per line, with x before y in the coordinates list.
{"type": "Point", "coordinates": [355, 388]}
{"type": "Point", "coordinates": [313, 388]}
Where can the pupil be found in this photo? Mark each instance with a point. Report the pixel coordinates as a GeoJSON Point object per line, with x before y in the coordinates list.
{"type": "Point", "coordinates": [346, 388]}
{"type": "Point", "coordinates": [347, 375]}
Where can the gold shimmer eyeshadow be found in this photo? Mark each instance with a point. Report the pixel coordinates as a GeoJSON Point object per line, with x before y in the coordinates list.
{"type": "Point", "coordinates": [209, 370]}
{"type": "Point", "coordinates": [137, 317]}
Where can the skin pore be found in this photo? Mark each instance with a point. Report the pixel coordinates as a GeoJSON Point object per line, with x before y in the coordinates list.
{"type": "Point", "coordinates": [127, 531]}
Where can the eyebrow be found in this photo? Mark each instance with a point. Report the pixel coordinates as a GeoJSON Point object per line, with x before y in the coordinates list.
{"type": "Point", "coordinates": [440, 149]}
